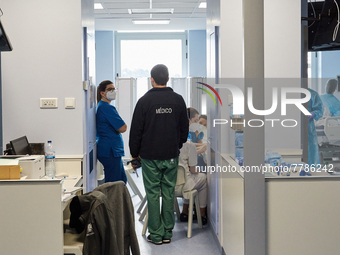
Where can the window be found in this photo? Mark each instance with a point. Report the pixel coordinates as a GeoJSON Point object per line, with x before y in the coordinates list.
{"type": "Point", "coordinates": [137, 53]}
{"type": "Point", "coordinates": [139, 56]}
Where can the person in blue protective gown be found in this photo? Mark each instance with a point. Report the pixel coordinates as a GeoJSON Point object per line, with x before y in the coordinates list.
{"type": "Point", "coordinates": [194, 135]}
{"type": "Point", "coordinates": [329, 99]}
{"type": "Point", "coordinates": [109, 124]}
{"type": "Point", "coordinates": [315, 107]}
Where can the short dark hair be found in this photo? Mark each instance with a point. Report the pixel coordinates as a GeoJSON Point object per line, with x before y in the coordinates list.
{"type": "Point", "coordinates": [192, 112]}
{"type": "Point", "coordinates": [203, 116]}
{"type": "Point", "coordinates": [331, 86]}
{"type": "Point", "coordinates": [160, 74]}
{"type": "Point", "coordinates": [102, 87]}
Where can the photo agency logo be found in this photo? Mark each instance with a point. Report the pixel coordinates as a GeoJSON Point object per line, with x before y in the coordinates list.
{"type": "Point", "coordinates": [209, 93]}
{"type": "Point", "coordinates": [284, 101]}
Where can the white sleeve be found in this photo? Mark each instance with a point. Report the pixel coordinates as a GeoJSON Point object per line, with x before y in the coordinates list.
{"type": "Point", "coordinates": [192, 161]}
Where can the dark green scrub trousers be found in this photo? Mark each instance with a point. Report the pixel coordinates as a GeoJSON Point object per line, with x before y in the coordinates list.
{"type": "Point", "coordinates": [160, 177]}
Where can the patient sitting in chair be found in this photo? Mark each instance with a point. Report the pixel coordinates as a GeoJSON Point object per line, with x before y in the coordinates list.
{"type": "Point", "coordinates": [194, 180]}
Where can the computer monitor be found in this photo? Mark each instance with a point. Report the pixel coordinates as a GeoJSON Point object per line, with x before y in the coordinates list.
{"type": "Point", "coordinates": [5, 44]}
{"type": "Point", "coordinates": [20, 146]}
{"type": "Point", "coordinates": [323, 34]}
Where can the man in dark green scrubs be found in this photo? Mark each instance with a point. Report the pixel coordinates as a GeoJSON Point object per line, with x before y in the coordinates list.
{"type": "Point", "coordinates": [159, 128]}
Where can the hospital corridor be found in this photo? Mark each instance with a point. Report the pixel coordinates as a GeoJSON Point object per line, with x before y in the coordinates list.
{"type": "Point", "coordinates": [169, 127]}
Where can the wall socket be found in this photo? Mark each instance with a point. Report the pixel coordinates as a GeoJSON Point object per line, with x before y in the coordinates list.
{"type": "Point", "coordinates": [48, 102]}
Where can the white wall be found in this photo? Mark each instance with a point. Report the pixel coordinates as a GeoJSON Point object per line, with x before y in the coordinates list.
{"type": "Point", "coordinates": [282, 37]}
{"type": "Point", "coordinates": [282, 59]}
{"type": "Point", "coordinates": [282, 67]}
{"type": "Point", "coordinates": [231, 40]}
{"type": "Point", "coordinates": [46, 61]}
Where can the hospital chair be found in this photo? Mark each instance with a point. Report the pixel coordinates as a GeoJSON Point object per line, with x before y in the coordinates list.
{"type": "Point", "coordinates": [128, 171]}
{"type": "Point", "coordinates": [191, 195]}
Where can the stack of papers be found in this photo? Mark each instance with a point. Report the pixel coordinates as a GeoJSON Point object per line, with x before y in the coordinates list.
{"type": "Point", "coordinates": [8, 162]}
{"type": "Point", "coordinates": [69, 190]}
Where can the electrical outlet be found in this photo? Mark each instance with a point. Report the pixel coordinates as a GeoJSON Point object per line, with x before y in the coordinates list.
{"type": "Point", "coordinates": [48, 102]}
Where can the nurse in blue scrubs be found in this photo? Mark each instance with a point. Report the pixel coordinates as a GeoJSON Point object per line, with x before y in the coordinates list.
{"type": "Point", "coordinates": [315, 107]}
{"type": "Point", "coordinates": [329, 99]}
{"type": "Point", "coordinates": [110, 147]}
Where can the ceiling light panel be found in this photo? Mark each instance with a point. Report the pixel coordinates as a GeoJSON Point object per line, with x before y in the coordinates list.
{"type": "Point", "coordinates": [121, 16]}
{"type": "Point", "coordinates": [150, 31]}
{"type": "Point", "coordinates": [98, 6]}
{"type": "Point", "coordinates": [203, 5]}
{"type": "Point", "coordinates": [151, 11]}
{"type": "Point", "coordinates": [118, 9]}
{"type": "Point", "coordinates": [127, 5]}
{"type": "Point", "coordinates": [151, 21]}
{"type": "Point", "coordinates": [170, 16]}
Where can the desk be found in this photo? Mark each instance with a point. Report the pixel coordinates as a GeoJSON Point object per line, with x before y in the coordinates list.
{"type": "Point", "coordinates": [304, 209]}
{"type": "Point", "coordinates": [301, 212]}
{"type": "Point", "coordinates": [31, 217]}
{"type": "Point", "coordinates": [70, 186]}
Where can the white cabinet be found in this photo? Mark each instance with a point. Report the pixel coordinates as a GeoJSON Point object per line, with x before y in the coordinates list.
{"type": "Point", "coordinates": [31, 219]}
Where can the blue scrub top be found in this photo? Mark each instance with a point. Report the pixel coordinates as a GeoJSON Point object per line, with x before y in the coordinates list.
{"type": "Point", "coordinates": [107, 122]}
{"type": "Point", "coordinates": [192, 136]}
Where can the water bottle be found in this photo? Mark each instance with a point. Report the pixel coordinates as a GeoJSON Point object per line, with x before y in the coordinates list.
{"type": "Point", "coordinates": [49, 160]}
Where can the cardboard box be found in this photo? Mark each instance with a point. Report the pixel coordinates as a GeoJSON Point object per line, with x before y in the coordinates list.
{"type": "Point", "coordinates": [10, 172]}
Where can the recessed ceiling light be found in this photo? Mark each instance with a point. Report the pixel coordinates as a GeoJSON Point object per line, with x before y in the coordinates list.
{"type": "Point", "coordinates": [202, 5]}
{"type": "Point", "coordinates": [150, 21]}
{"type": "Point", "coordinates": [150, 31]}
{"type": "Point", "coordinates": [98, 6]}
{"type": "Point", "coordinates": [151, 11]}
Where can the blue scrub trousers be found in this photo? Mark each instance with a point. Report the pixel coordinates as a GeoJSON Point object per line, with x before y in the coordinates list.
{"type": "Point", "coordinates": [113, 168]}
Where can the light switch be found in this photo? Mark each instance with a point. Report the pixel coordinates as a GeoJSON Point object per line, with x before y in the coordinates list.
{"type": "Point", "coordinates": [70, 103]}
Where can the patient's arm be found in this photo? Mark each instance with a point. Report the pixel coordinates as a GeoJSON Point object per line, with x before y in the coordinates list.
{"type": "Point", "coordinates": [201, 149]}
{"type": "Point", "coordinates": [199, 143]}
{"type": "Point", "coordinates": [193, 170]}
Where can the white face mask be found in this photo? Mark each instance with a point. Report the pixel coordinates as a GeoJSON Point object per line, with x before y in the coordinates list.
{"type": "Point", "coordinates": [111, 95]}
{"type": "Point", "coordinates": [196, 127]}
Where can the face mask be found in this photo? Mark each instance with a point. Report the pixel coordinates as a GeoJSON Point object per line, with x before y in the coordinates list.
{"type": "Point", "coordinates": [196, 127]}
{"type": "Point", "coordinates": [205, 134]}
{"type": "Point", "coordinates": [111, 95]}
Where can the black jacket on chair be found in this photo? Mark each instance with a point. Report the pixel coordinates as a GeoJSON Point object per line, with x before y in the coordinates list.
{"type": "Point", "coordinates": [107, 216]}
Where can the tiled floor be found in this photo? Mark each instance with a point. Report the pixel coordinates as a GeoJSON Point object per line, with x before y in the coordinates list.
{"type": "Point", "coordinates": [201, 242]}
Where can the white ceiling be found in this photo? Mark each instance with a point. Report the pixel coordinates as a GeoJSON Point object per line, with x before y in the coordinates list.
{"type": "Point", "coordinates": [115, 15]}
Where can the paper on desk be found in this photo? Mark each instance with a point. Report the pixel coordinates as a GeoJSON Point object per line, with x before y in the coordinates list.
{"type": "Point", "coordinates": [66, 197]}
{"type": "Point", "coordinates": [69, 190]}
{"type": "Point", "coordinates": [334, 173]}
{"type": "Point", "coordinates": [6, 162]}
{"type": "Point", "coordinates": [29, 157]}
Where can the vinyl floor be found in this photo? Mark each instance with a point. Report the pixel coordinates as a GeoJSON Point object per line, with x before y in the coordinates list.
{"type": "Point", "coordinates": [201, 242]}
